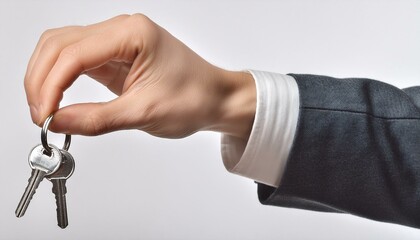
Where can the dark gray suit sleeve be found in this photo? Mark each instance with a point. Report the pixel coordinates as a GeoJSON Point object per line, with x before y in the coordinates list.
{"type": "Point", "coordinates": [356, 150]}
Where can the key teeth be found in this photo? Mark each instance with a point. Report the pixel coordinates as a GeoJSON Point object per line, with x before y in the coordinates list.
{"type": "Point", "coordinates": [21, 209]}
{"type": "Point", "coordinates": [31, 195]}
{"type": "Point", "coordinates": [59, 189]}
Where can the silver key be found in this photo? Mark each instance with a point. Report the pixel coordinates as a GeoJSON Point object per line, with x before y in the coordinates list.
{"type": "Point", "coordinates": [59, 189]}
{"type": "Point", "coordinates": [42, 164]}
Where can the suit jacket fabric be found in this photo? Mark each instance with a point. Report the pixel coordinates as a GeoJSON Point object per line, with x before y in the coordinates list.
{"type": "Point", "coordinates": [356, 150]}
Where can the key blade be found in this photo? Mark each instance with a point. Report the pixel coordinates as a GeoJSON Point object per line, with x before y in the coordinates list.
{"type": "Point", "coordinates": [33, 183]}
{"type": "Point", "coordinates": [59, 189]}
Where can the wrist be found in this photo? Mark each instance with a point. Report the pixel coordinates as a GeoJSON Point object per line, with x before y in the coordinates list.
{"type": "Point", "coordinates": [236, 109]}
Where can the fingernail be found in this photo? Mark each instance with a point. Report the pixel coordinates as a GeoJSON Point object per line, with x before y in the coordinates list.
{"type": "Point", "coordinates": [34, 114]}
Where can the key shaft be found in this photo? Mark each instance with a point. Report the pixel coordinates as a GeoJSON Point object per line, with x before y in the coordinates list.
{"type": "Point", "coordinates": [59, 189]}
{"type": "Point", "coordinates": [33, 182]}
{"type": "Point", "coordinates": [42, 165]}
{"type": "Point", "coordinates": [58, 179]}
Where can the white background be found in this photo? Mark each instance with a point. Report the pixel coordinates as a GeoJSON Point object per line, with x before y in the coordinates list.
{"type": "Point", "coordinates": [130, 185]}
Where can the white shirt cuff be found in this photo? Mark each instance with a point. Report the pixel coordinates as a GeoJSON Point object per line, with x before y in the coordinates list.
{"type": "Point", "coordinates": [263, 157]}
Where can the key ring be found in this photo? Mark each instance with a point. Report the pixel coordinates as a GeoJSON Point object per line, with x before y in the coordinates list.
{"type": "Point", "coordinates": [44, 133]}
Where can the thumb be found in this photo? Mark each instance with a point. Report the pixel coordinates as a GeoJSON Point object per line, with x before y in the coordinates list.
{"type": "Point", "coordinates": [93, 119]}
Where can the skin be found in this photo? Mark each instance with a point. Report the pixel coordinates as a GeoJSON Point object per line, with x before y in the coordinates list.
{"type": "Point", "coordinates": [163, 87]}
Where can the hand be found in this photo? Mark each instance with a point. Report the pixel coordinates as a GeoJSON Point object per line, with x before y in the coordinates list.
{"type": "Point", "coordinates": [164, 88]}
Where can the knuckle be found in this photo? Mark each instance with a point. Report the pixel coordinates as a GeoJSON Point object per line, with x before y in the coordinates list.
{"type": "Point", "coordinates": [47, 34]}
{"type": "Point", "coordinates": [51, 43]}
{"type": "Point", "coordinates": [70, 55]}
{"type": "Point", "coordinates": [71, 51]}
{"type": "Point", "coordinates": [142, 22]}
{"type": "Point", "coordinates": [122, 16]}
{"type": "Point", "coordinates": [144, 30]}
{"type": "Point", "coordinates": [139, 18]}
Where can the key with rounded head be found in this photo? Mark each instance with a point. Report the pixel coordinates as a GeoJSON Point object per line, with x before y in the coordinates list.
{"type": "Point", "coordinates": [59, 189]}
{"type": "Point", "coordinates": [43, 162]}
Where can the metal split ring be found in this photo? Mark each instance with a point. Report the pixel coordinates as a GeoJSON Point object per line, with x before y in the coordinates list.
{"type": "Point", "coordinates": [44, 133]}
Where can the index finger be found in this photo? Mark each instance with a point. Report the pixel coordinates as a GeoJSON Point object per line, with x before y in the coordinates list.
{"type": "Point", "coordinates": [73, 60]}
{"type": "Point", "coordinates": [46, 54]}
